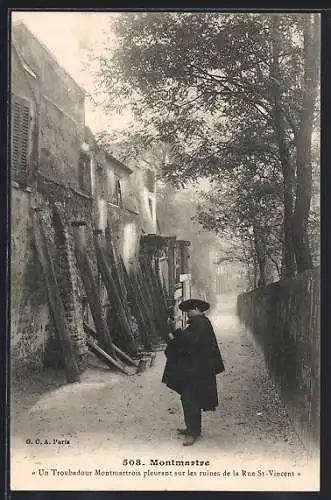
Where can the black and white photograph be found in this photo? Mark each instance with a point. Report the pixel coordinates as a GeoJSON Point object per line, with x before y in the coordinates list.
{"type": "Point", "coordinates": [164, 250]}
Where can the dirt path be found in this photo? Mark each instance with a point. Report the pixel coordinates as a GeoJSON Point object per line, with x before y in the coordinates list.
{"type": "Point", "coordinates": [109, 417]}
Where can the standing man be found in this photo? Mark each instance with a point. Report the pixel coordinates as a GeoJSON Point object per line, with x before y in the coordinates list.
{"type": "Point", "coordinates": [193, 361]}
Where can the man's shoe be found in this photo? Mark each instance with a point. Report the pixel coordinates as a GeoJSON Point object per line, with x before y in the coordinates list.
{"type": "Point", "coordinates": [189, 440]}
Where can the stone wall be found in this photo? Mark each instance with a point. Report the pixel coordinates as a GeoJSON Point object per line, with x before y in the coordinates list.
{"type": "Point", "coordinates": [30, 325]}
{"type": "Point", "coordinates": [34, 342]}
{"type": "Point", "coordinates": [57, 107]}
{"type": "Point", "coordinates": [52, 80]}
{"type": "Point", "coordinates": [284, 318]}
{"type": "Point", "coordinates": [60, 140]}
{"type": "Point", "coordinates": [52, 191]}
{"type": "Point", "coordinates": [145, 200]}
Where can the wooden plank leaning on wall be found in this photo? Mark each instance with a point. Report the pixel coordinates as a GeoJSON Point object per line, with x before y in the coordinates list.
{"type": "Point", "coordinates": [55, 301]}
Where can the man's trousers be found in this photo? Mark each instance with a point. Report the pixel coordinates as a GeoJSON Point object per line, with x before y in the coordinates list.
{"type": "Point", "coordinates": [191, 408]}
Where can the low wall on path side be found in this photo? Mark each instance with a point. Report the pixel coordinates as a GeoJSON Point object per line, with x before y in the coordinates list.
{"type": "Point", "coordinates": [284, 319]}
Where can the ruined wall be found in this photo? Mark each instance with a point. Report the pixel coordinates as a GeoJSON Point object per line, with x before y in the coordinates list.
{"type": "Point", "coordinates": [30, 325]}
{"type": "Point", "coordinates": [71, 207]}
{"type": "Point", "coordinates": [54, 149]}
{"type": "Point", "coordinates": [60, 140]}
{"type": "Point", "coordinates": [285, 320]}
{"type": "Point", "coordinates": [23, 91]}
{"type": "Point", "coordinates": [54, 81]}
{"type": "Point", "coordinates": [34, 340]}
{"type": "Point", "coordinates": [29, 308]}
{"type": "Point", "coordinates": [137, 184]}
{"type": "Point", "coordinates": [34, 343]}
{"type": "Point", "coordinates": [123, 220]}
{"type": "Point", "coordinates": [59, 105]}
{"type": "Point", "coordinates": [55, 196]}
{"type": "Point", "coordinates": [125, 229]}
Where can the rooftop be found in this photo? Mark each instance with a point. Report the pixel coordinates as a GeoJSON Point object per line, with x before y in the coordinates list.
{"type": "Point", "coordinates": [19, 24]}
{"type": "Point", "coordinates": [118, 162]}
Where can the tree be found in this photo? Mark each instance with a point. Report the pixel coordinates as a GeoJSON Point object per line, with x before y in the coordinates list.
{"type": "Point", "coordinates": [246, 92]}
{"type": "Point", "coordinates": [297, 192]}
{"type": "Point", "coordinates": [304, 139]}
{"type": "Point", "coordinates": [246, 207]}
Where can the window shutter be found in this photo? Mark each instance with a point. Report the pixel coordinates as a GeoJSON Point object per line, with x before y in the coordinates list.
{"type": "Point", "coordinates": [20, 132]}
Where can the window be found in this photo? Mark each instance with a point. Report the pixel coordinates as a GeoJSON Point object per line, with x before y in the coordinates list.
{"type": "Point", "coordinates": [84, 172]}
{"type": "Point", "coordinates": [20, 138]}
{"type": "Point", "coordinates": [117, 197]}
{"type": "Point", "coordinates": [150, 204]}
{"type": "Point", "coordinates": [118, 194]}
{"type": "Point", "coordinates": [29, 70]}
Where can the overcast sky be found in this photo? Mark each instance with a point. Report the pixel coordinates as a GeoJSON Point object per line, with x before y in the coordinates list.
{"type": "Point", "coordinates": [67, 35]}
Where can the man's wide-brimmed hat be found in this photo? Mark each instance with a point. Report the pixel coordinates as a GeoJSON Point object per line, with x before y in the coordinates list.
{"type": "Point", "coordinates": [186, 305]}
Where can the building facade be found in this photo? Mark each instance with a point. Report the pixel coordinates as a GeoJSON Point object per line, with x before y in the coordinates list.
{"type": "Point", "coordinates": [61, 179]}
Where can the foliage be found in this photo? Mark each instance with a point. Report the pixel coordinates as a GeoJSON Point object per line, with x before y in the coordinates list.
{"type": "Point", "coordinates": [247, 207]}
{"type": "Point", "coordinates": [236, 106]}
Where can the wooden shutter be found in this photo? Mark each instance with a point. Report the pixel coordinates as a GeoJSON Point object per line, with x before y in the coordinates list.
{"type": "Point", "coordinates": [20, 133]}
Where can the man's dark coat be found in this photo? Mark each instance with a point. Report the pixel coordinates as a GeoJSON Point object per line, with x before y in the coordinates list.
{"type": "Point", "coordinates": [194, 358]}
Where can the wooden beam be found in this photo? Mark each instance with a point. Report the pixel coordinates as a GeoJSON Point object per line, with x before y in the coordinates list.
{"type": "Point", "coordinates": [159, 305]}
{"type": "Point", "coordinates": [149, 295]}
{"type": "Point", "coordinates": [92, 295]}
{"type": "Point", "coordinates": [161, 290]}
{"type": "Point", "coordinates": [88, 329]}
{"type": "Point", "coordinates": [171, 265]}
{"type": "Point", "coordinates": [144, 307]}
{"type": "Point", "coordinates": [183, 256]}
{"type": "Point", "coordinates": [110, 250]}
{"type": "Point", "coordinates": [114, 296]}
{"type": "Point", "coordinates": [103, 356]}
{"type": "Point", "coordinates": [137, 307]}
{"type": "Point", "coordinates": [55, 301]}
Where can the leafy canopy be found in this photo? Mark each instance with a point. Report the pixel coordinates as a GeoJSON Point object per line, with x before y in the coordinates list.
{"type": "Point", "coordinates": [195, 80]}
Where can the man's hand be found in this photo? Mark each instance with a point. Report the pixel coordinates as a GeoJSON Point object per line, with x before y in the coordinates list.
{"type": "Point", "coordinates": [170, 337]}
{"type": "Point", "coordinates": [171, 324]}
{"type": "Point", "coordinates": [178, 331]}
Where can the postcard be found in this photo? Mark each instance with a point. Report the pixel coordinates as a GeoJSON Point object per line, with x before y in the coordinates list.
{"type": "Point", "coordinates": [165, 294]}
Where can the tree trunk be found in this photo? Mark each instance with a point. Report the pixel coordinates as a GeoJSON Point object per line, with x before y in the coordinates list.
{"type": "Point", "coordinates": [260, 256]}
{"type": "Point", "coordinates": [252, 266]}
{"type": "Point", "coordinates": [289, 267]}
{"type": "Point", "coordinates": [303, 144]}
